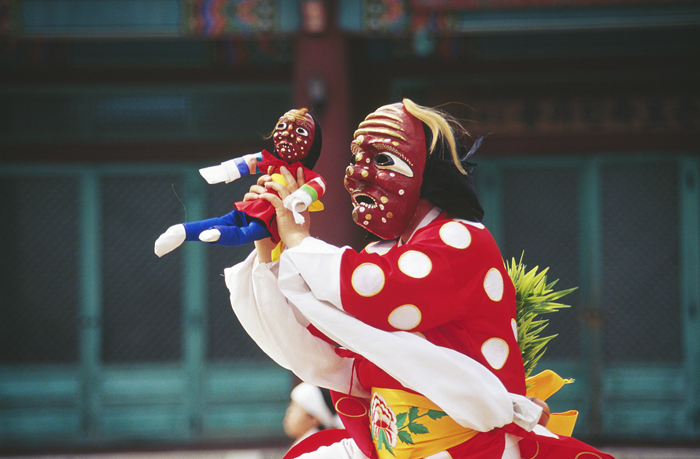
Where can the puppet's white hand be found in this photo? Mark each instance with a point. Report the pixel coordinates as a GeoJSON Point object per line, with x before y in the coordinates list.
{"type": "Point", "coordinates": [233, 169]}
{"type": "Point", "coordinates": [170, 240]}
{"type": "Point", "coordinates": [216, 174]}
{"type": "Point", "coordinates": [210, 235]}
{"type": "Point", "coordinates": [297, 203]}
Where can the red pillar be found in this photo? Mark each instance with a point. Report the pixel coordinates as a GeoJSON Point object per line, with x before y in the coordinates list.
{"type": "Point", "coordinates": [321, 59]}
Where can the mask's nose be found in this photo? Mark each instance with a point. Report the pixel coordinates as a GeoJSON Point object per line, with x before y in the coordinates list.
{"type": "Point", "coordinates": [359, 172]}
{"type": "Point", "coordinates": [352, 178]}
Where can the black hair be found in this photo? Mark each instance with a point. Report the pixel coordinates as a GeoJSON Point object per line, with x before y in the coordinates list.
{"type": "Point", "coordinates": [445, 186]}
{"type": "Point", "coordinates": [315, 151]}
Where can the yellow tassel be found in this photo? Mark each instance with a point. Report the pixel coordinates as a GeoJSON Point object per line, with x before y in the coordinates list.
{"type": "Point", "coordinates": [544, 385]}
{"type": "Point", "coordinates": [562, 423]}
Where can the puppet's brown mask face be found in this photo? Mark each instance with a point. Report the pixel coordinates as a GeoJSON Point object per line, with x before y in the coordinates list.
{"type": "Point", "coordinates": [386, 171]}
{"type": "Point", "coordinates": [294, 135]}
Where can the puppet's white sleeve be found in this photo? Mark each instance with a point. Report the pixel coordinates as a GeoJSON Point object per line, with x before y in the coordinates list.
{"type": "Point", "coordinates": [469, 393]}
{"type": "Point", "coordinates": [280, 330]}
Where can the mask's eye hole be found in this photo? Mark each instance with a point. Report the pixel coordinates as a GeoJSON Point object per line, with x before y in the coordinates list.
{"type": "Point", "coordinates": [389, 161]}
{"type": "Point", "coordinates": [352, 160]}
{"type": "Point", "coordinates": [302, 131]}
{"type": "Point", "coordinates": [382, 159]}
{"type": "Point", "coordinates": [281, 126]}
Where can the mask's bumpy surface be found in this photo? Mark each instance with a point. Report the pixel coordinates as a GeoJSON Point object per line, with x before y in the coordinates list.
{"type": "Point", "coordinates": [386, 170]}
{"type": "Point", "coordinates": [294, 135]}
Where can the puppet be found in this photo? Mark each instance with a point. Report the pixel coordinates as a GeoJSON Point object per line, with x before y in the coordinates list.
{"type": "Point", "coordinates": [297, 140]}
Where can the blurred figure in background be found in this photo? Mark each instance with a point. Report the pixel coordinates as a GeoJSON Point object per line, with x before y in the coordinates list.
{"type": "Point", "coordinates": [310, 410]}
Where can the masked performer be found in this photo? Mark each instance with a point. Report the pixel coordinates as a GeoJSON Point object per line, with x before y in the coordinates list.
{"type": "Point", "coordinates": [297, 140]}
{"type": "Point", "coordinates": [416, 335]}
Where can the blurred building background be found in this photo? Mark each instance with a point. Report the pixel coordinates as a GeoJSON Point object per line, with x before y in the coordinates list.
{"type": "Point", "coordinates": [109, 107]}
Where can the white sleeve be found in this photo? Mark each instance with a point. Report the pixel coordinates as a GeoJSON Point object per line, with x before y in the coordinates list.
{"type": "Point", "coordinates": [280, 330]}
{"type": "Point", "coordinates": [318, 264]}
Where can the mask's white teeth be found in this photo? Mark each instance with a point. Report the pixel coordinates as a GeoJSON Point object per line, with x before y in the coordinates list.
{"type": "Point", "coordinates": [363, 200]}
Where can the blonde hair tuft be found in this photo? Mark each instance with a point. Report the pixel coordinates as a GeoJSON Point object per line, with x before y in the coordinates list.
{"type": "Point", "coordinates": [443, 128]}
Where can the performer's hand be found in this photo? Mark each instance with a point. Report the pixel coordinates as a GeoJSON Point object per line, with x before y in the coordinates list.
{"type": "Point", "coordinates": [544, 418]}
{"type": "Point", "coordinates": [291, 233]}
{"type": "Point", "coordinates": [170, 240]}
{"type": "Point", "coordinates": [257, 189]}
{"type": "Point", "coordinates": [263, 247]}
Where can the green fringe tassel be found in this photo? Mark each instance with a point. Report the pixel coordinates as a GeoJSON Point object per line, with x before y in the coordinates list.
{"type": "Point", "coordinates": [534, 296]}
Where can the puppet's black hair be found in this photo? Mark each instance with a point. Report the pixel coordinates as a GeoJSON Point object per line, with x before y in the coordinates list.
{"type": "Point", "coordinates": [315, 151]}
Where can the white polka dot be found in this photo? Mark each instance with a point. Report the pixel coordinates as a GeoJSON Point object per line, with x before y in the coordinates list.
{"type": "Point", "coordinates": [405, 317]}
{"type": "Point", "coordinates": [495, 351]}
{"type": "Point", "coordinates": [493, 284]}
{"type": "Point", "coordinates": [415, 264]}
{"type": "Point", "coordinates": [514, 325]}
{"type": "Point", "coordinates": [455, 235]}
{"type": "Point", "coordinates": [368, 279]}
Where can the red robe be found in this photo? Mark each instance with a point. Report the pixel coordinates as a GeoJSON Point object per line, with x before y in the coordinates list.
{"type": "Point", "coordinates": [448, 284]}
{"type": "Point", "coordinates": [438, 290]}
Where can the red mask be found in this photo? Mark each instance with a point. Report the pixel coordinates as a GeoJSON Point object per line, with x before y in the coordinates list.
{"type": "Point", "coordinates": [294, 135]}
{"type": "Point", "coordinates": [386, 171]}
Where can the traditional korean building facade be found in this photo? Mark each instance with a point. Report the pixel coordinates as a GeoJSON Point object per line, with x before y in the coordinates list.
{"type": "Point", "coordinates": [591, 166]}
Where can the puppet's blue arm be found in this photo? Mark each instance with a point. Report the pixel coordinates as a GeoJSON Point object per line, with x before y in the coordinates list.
{"type": "Point", "coordinates": [236, 228]}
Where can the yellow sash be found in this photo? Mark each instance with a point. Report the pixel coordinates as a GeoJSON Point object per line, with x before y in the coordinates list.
{"type": "Point", "coordinates": [409, 426]}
